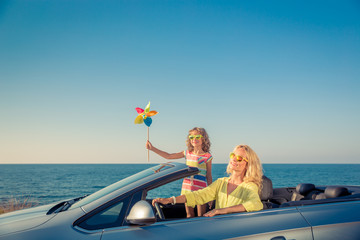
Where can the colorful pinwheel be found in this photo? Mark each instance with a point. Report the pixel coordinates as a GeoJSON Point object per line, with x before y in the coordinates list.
{"type": "Point", "coordinates": [145, 115]}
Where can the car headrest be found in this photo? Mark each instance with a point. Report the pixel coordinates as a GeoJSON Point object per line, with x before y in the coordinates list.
{"type": "Point", "coordinates": [333, 192]}
{"type": "Point", "coordinates": [266, 192]}
{"type": "Point", "coordinates": [305, 188]}
{"type": "Point", "coordinates": [320, 196]}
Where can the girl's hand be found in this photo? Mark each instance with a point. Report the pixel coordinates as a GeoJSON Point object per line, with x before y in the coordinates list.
{"type": "Point", "coordinates": [211, 204]}
{"type": "Point", "coordinates": [148, 145]}
{"type": "Point", "coordinates": [162, 201]}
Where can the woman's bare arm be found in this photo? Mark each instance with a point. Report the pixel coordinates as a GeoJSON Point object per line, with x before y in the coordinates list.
{"type": "Point", "coordinates": [220, 211]}
{"type": "Point", "coordinates": [178, 199]}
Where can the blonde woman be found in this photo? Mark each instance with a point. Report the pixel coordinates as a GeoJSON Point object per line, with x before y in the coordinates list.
{"type": "Point", "coordinates": [197, 155]}
{"type": "Point", "coordinates": [237, 193]}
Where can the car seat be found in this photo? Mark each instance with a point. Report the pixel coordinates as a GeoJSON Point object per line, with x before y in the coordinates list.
{"type": "Point", "coordinates": [333, 192]}
{"type": "Point", "coordinates": [304, 191]}
{"type": "Point", "coordinates": [266, 193]}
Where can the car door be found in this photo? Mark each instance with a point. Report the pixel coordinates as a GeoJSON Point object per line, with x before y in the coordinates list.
{"type": "Point", "coordinates": [267, 224]}
{"type": "Point", "coordinates": [334, 220]}
{"type": "Point", "coordinates": [111, 214]}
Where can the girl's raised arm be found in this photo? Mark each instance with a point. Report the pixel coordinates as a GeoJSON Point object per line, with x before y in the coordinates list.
{"type": "Point", "coordinates": [164, 154]}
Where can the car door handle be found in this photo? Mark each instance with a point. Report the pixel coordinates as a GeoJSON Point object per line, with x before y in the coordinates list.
{"type": "Point", "coordinates": [278, 238]}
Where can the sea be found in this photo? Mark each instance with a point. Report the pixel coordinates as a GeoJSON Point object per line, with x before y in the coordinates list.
{"type": "Point", "coordinates": [47, 183]}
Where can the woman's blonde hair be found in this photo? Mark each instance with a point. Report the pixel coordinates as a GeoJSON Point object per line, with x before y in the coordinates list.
{"type": "Point", "coordinates": [254, 171]}
{"type": "Point", "coordinates": [205, 140]}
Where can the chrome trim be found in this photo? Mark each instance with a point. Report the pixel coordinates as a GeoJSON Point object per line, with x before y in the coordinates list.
{"type": "Point", "coordinates": [163, 165]}
{"type": "Point", "coordinates": [88, 231]}
{"type": "Point", "coordinates": [83, 209]}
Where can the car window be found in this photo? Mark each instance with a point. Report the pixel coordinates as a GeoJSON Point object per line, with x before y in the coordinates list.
{"type": "Point", "coordinates": [170, 212]}
{"type": "Point", "coordinates": [111, 216]}
{"type": "Point", "coordinates": [106, 217]}
{"type": "Point", "coordinates": [122, 183]}
{"type": "Point", "coordinates": [166, 190]}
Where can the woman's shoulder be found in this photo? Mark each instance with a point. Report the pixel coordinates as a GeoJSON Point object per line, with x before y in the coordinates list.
{"type": "Point", "coordinates": [250, 185]}
{"type": "Point", "coordinates": [223, 179]}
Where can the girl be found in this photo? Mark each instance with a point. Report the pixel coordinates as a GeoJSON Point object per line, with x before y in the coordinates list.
{"type": "Point", "coordinates": [196, 155]}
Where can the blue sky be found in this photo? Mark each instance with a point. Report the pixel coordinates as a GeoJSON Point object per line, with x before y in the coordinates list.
{"type": "Point", "coordinates": [280, 76]}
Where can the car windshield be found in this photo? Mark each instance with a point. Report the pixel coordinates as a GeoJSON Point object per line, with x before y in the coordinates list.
{"type": "Point", "coordinates": [122, 183]}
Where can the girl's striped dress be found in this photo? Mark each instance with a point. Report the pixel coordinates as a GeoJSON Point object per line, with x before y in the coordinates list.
{"type": "Point", "coordinates": [196, 182]}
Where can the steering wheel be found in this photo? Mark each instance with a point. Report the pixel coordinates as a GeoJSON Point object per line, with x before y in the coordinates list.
{"type": "Point", "coordinates": [159, 211]}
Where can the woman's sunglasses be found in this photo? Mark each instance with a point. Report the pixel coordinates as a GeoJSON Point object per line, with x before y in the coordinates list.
{"type": "Point", "coordinates": [237, 157]}
{"type": "Point", "coordinates": [191, 137]}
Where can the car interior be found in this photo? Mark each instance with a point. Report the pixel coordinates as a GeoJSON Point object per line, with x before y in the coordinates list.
{"type": "Point", "coordinates": [305, 194]}
{"type": "Point", "coordinates": [302, 194]}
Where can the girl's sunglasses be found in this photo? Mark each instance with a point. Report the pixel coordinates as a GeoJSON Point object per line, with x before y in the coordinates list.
{"type": "Point", "coordinates": [237, 157]}
{"type": "Point", "coordinates": [191, 137]}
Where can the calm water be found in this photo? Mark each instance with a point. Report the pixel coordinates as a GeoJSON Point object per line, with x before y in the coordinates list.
{"type": "Point", "coordinates": [50, 183]}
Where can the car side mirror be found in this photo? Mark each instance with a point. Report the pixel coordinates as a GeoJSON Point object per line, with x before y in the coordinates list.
{"type": "Point", "coordinates": [141, 214]}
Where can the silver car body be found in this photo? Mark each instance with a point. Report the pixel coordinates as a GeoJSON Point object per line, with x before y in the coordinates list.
{"type": "Point", "coordinates": [111, 213]}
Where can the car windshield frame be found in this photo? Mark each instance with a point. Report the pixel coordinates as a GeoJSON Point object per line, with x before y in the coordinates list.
{"type": "Point", "coordinates": [122, 183]}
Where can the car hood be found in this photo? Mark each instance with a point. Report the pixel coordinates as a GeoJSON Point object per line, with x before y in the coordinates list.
{"type": "Point", "coordinates": [24, 219]}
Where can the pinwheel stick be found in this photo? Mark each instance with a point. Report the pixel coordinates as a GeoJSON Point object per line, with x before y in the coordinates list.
{"type": "Point", "coordinates": [148, 140]}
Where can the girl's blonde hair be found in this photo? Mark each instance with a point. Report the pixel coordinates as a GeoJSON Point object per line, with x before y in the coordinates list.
{"type": "Point", "coordinates": [205, 140]}
{"type": "Point", "coordinates": [254, 171]}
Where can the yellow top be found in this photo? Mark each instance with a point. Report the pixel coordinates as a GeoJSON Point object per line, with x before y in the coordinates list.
{"type": "Point", "coordinates": [245, 194]}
